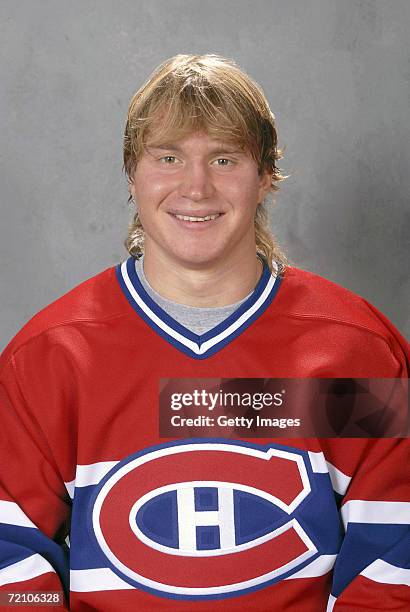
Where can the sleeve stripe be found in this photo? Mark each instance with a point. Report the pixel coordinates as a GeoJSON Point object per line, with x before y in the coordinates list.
{"type": "Point", "coordinates": [12, 514]}
{"type": "Point", "coordinates": [320, 566]}
{"type": "Point", "coordinates": [331, 603]}
{"type": "Point", "coordinates": [28, 568]}
{"type": "Point", "coordinates": [380, 571]}
{"type": "Point", "coordinates": [340, 481]}
{"type": "Point", "coordinates": [92, 474]}
{"type": "Point", "coordinates": [100, 579]}
{"type": "Point", "coordinates": [379, 512]}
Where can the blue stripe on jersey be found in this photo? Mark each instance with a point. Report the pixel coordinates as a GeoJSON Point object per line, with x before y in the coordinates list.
{"type": "Point", "coordinates": [18, 543]}
{"type": "Point", "coordinates": [186, 334]}
{"type": "Point", "coordinates": [84, 551]}
{"type": "Point", "coordinates": [12, 553]}
{"type": "Point", "coordinates": [399, 555]}
{"type": "Point", "coordinates": [363, 544]}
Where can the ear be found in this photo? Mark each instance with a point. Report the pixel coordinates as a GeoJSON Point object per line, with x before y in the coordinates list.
{"type": "Point", "coordinates": [265, 185]}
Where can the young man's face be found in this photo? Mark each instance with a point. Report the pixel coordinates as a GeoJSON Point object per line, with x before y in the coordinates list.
{"type": "Point", "coordinates": [197, 198]}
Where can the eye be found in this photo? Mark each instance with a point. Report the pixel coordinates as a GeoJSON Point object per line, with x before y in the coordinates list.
{"type": "Point", "coordinates": [168, 159]}
{"type": "Point", "coordinates": [223, 161]}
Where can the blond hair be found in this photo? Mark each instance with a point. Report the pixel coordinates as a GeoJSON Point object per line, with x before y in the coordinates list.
{"type": "Point", "coordinates": [189, 93]}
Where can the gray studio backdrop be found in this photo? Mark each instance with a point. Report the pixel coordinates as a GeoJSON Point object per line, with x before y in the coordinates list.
{"type": "Point", "coordinates": [335, 71]}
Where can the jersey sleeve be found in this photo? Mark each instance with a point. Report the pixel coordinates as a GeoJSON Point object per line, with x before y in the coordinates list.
{"type": "Point", "coordinates": [34, 504]}
{"type": "Point", "coordinates": [372, 570]}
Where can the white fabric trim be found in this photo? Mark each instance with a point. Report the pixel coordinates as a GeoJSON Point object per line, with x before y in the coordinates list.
{"type": "Point", "coordinates": [320, 566]}
{"type": "Point", "coordinates": [104, 579]}
{"type": "Point", "coordinates": [381, 571]}
{"type": "Point", "coordinates": [28, 568]}
{"type": "Point", "coordinates": [340, 481]}
{"type": "Point", "coordinates": [100, 579]}
{"type": "Point", "coordinates": [92, 474]}
{"type": "Point", "coordinates": [193, 346]}
{"type": "Point", "coordinates": [89, 475]}
{"type": "Point", "coordinates": [12, 514]}
{"type": "Point", "coordinates": [188, 343]}
{"type": "Point", "coordinates": [330, 603]}
{"type": "Point", "coordinates": [246, 315]}
{"type": "Point", "coordinates": [70, 486]}
{"type": "Point", "coordinates": [381, 512]}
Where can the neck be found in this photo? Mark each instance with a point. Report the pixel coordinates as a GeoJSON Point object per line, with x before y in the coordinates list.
{"type": "Point", "coordinates": [210, 286]}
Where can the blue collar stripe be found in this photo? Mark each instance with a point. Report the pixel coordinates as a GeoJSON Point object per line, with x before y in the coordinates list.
{"type": "Point", "coordinates": [194, 345]}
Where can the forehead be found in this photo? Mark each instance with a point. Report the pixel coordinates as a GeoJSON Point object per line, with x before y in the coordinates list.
{"type": "Point", "coordinates": [193, 140]}
{"type": "Point", "coordinates": [167, 126]}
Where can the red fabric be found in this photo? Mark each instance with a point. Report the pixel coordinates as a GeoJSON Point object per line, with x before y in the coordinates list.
{"type": "Point", "coordinates": [79, 385]}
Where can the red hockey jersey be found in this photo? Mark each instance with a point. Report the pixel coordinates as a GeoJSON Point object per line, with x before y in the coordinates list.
{"type": "Point", "coordinates": [196, 524]}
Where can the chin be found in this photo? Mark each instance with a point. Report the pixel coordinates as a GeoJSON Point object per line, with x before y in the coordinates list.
{"type": "Point", "coordinates": [198, 260]}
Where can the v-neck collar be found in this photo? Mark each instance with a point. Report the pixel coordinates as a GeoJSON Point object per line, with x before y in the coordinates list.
{"type": "Point", "coordinates": [194, 345]}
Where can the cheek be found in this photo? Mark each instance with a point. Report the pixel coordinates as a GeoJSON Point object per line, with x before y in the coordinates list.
{"type": "Point", "coordinates": [147, 192]}
{"type": "Point", "coordinates": [245, 197]}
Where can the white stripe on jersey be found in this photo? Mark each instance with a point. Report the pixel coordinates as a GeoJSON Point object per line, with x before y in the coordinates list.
{"type": "Point", "coordinates": [28, 568]}
{"type": "Point", "coordinates": [380, 571]}
{"type": "Point", "coordinates": [340, 481]}
{"type": "Point", "coordinates": [318, 567]}
{"type": "Point", "coordinates": [380, 512]}
{"type": "Point", "coordinates": [331, 603]}
{"type": "Point", "coordinates": [104, 579]}
{"type": "Point", "coordinates": [100, 579]}
{"type": "Point", "coordinates": [12, 514]}
{"type": "Point", "coordinates": [90, 474]}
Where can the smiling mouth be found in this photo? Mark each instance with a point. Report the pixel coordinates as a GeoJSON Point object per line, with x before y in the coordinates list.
{"type": "Point", "coordinates": [197, 219]}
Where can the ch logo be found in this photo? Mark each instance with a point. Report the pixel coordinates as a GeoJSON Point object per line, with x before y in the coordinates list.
{"type": "Point", "coordinates": [199, 519]}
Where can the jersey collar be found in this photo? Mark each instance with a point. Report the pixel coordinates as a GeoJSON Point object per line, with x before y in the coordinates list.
{"type": "Point", "coordinates": [194, 345]}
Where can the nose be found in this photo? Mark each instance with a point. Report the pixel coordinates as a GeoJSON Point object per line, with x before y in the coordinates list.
{"type": "Point", "coordinates": [196, 182]}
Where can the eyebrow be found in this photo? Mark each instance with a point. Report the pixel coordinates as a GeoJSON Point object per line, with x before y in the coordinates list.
{"type": "Point", "coordinates": [174, 147]}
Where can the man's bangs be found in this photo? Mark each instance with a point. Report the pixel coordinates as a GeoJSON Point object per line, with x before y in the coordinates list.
{"type": "Point", "coordinates": [174, 119]}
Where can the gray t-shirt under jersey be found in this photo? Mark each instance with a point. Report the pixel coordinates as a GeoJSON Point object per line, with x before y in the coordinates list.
{"type": "Point", "coordinates": [197, 320]}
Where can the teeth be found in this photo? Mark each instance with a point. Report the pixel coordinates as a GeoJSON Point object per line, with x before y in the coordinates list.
{"type": "Point", "coordinates": [187, 218]}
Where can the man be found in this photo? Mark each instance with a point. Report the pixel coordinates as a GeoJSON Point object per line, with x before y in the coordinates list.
{"type": "Point", "coordinates": [168, 524]}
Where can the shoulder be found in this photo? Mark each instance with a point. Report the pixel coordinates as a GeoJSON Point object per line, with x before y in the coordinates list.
{"type": "Point", "coordinates": [309, 295]}
{"type": "Point", "coordinates": [321, 309]}
{"type": "Point", "coordinates": [95, 300]}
